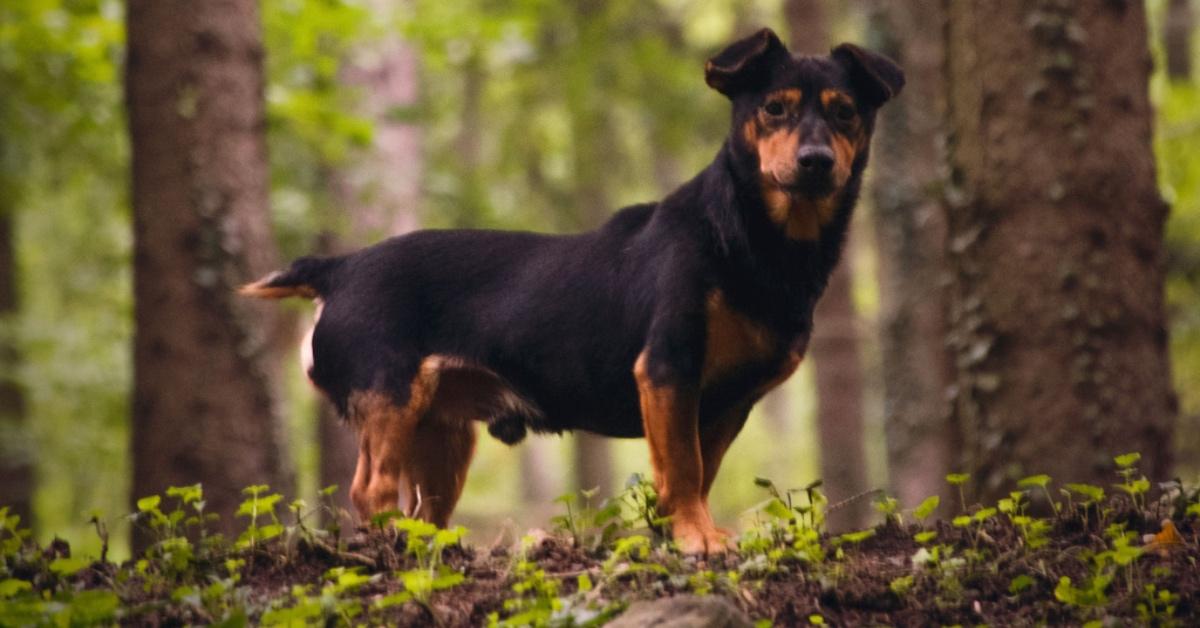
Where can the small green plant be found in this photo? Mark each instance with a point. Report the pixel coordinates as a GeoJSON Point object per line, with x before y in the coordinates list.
{"type": "Point", "coordinates": [1157, 606]}
{"type": "Point", "coordinates": [921, 513]}
{"type": "Point", "coordinates": [1133, 484]}
{"type": "Point", "coordinates": [1040, 481]}
{"type": "Point", "coordinates": [1082, 498]}
{"type": "Point", "coordinates": [426, 545]}
{"type": "Point", "coordinates": [258, 505]}
{"type": "Point", "coordinates": [590, 528]}
{"type": "Point", "coordinates": [889, 507]}
{"type": "Point", "coordinates": [334, 604]}
{"type": "Point", "coordinates": [958, 480]}
{"type": "Point", "coordinates": [786, 531]}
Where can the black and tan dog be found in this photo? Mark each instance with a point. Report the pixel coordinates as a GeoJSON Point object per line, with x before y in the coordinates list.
{"type": "Point", "coordinates": [669, 322]}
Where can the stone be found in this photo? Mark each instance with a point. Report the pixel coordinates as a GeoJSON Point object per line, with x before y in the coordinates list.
{"type": "Point", "coordinates": [683, 611]}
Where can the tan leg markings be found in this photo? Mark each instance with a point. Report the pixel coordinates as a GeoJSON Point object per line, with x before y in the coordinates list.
{"type": "Point", "coordinates": [437, 467]}
{"type": "Point", "coordinates": [670, 421]}
{"type": "Point", "coordinates": [385, 439]}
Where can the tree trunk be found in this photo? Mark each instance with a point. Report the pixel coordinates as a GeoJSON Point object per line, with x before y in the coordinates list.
{"type": "Point", "coordinates": [1055, 237]}
{"type": "Point", "coordinates": [1177, 39]}
{"type": "Point", "coordinates": [834, 348]}
{"type": "Point", "coordinates": [910, 231]}
{"type": "Point", "coordinates": [378, 196]}
{"type": "Point", "coordinates": [205, 362]}
{"type": "Point", "coordinates": [16, 447]}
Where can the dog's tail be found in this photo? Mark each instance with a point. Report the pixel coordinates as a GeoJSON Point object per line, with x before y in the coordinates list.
{"type": "Point", "coordinates": [307, 277]}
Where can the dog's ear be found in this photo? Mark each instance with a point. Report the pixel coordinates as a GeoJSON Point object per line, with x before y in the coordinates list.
{"type": "Point", "coordinates": [743, 63]}
{"type": "Point", "coordinates": [874, 76]}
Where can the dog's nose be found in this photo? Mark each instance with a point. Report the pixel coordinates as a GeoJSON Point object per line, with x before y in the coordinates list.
{"type": "Point", "coordinates": [815, 159]}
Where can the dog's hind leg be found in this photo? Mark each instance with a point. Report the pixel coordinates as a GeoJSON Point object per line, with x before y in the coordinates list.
{"type": "Point", "coordinates": [386, 431]}
{"type": "Point", "coordinates": [436, 468]}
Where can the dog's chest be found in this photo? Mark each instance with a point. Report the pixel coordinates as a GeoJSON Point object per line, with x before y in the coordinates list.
{"type": "Point", "coordinates": [736, 343]}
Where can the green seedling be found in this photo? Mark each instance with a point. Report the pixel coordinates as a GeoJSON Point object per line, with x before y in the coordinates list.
{"type": "Point", "coordinates": [1133, 484]}
{"type": "Point", "coordinates": [958, 480]}
{"type": "Point", "coordinates": [1040, 481]}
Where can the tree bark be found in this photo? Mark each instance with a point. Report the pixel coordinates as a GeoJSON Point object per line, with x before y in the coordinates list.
{"type": "Point", "coordinates": [1055, 238]}
{"type": "Point", "coordinates": [910, 232]}
{"type": "Point", "coordinates": [1177, 39]}
{"type": "Point", "coordinates": [378, 196]}
{"type": "Point", "coordinates": [835, 345]}
{"type": "Point", "coordinates": [16, 447]}
{"type": "Point", "coordinates": [205, 362]}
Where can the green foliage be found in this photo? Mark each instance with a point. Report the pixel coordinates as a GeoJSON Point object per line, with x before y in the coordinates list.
{"type": "Point", "coordinates": [426, 544]}
{"type": "Point", "coordinates": [926, 507]}
{"type": "Point", "coordinates": [254, 507]}
{"type": "Point", "coordinates": [787, 531]}
{"type": "Point", "coordinates": [590, 528]}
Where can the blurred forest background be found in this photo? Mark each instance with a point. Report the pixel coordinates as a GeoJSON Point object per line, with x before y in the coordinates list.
{"type": "Point", "coordinates": [382, 116]}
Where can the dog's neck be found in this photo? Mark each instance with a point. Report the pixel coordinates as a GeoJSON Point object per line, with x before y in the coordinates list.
{"type": "Point", "coordinates": [750, 245]}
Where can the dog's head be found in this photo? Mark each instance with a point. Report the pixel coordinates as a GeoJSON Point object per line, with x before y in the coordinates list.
{"type": "Point", "coordinates": [805, 122]}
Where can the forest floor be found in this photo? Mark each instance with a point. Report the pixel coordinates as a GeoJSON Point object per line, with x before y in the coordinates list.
{"type": "Point", "coordinates": [1098, 557]}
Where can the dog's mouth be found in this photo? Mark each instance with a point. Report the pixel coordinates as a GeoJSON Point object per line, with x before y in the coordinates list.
{"type": "Point", "coordinates": [807, 186]}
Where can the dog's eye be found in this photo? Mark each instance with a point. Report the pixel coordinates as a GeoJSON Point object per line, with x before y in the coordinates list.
{"type": "Point", "coordinates": [773, 108]}
{"type": "Point", "coordinates": [843, 112]}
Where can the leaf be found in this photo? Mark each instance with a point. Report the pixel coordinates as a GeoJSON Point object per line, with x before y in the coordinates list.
{"type": "Point", "coordinates": [12, 586]}
{"type": "Point", "coordinates": [1091, 492]}
{"type": "Point", "coordinates": [956, 479]}
{"type": "Point", "coordinates": [925, 537]}
{"type": "Point", "coordinates": [855, 537]}
{"type": "Point", "coordinates": [1020, 583]}
{"type": "Point", "coordinates": [984, 514]}
{"type": "Point", "coordinates": [448, 580]}
{"type": "Point", "coordinates": [1127, 460]}
{"type": "Point", "coordinates": [93, 607]}
{"type": "Point", "coordinates": [186, 494]}
{"type": "Point", "coordinates": [67, 566]}
{"type": "Point", "coordinates": [395, 599]}
{"type": "Point", "coordinates": [961, 521]}
{"type": "Point", "coordinates": [776, 508]}
{"type": "Point", "coordinates": [926, 507]}
{"type": "Point", "coordinates": [147, 504]}
{"type": "Point", "coordinates": [1040, 480]}
{"type": "Point", "coordinates": [270, 531]}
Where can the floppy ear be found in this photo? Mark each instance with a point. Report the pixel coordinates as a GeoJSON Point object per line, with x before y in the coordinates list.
{"type": "Point", "coordinates": [874, 75]}
{"type": "Point", "coordinates": [742, 64]}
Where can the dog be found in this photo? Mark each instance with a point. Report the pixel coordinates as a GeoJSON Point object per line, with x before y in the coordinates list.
{"type": "Point", "coordinates": [668, 322]}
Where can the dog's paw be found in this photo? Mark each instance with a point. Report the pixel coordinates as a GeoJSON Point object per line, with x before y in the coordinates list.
{"type": "Point", "coordinates": [700, 538]}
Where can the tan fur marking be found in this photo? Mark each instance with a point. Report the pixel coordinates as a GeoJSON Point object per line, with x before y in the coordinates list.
{"type": "Point", "coordinates": [845, 145]}
{"type": "Point", "coordinates": [790, 97]}
{"type": "Point", "coordinates": [732, 339]}
{"type": "Point", "coordinates": [385, 433]}
{"type": "Point", "coordinates": [777, 154]}
{"type": "Point", "coordinates": [259, 290]}
{"type": "Point", "coordinates": [832, 96]}
{"type": "Point", "coordinates": [670, 420]}
{"type": "Point", "coordinates": [420, 452]}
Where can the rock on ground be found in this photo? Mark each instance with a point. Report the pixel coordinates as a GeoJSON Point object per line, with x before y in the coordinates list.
{"type": "Point", "coordinates": [683, 611]}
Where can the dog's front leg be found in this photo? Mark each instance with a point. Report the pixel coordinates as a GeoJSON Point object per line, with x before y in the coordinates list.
{"type": "Point", "coordinates": [671, 422]}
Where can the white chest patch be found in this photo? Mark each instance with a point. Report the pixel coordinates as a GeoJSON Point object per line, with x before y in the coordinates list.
{"type": "Point", "coordinates": [306, 348]}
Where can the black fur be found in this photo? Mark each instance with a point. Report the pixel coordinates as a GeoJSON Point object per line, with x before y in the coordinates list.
{"type": "Point", "coordinates": [562, 319]}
